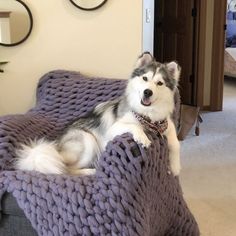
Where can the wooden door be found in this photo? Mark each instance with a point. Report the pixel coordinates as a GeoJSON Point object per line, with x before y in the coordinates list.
{"type": "Point", "coordinates": [174, 40]}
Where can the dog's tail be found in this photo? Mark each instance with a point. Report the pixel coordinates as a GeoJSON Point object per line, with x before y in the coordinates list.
{"type": "Point", "coordinates": [41, 156]}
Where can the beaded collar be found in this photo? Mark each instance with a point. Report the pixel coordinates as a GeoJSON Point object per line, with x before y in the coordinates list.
{"type": "Point", "coordinates": [156, 127]}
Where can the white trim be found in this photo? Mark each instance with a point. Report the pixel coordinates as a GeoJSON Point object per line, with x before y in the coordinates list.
{"type": "Point", "coordinates": [148, 25]}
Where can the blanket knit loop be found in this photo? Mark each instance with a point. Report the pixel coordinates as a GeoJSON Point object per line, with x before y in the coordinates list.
{"type": "Point", "coordinates": [131, 192]}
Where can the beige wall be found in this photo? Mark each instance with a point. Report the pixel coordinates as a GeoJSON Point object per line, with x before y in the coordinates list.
{"type": "Point", "coordinates": [105, 42]}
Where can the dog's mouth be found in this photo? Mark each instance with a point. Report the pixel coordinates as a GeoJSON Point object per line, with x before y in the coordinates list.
{"type": "Point", "coordinates": [146, 102]}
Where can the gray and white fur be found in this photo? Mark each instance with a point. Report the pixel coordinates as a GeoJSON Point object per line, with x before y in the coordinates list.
{"type": "Point", "coordinates": [149, 92]}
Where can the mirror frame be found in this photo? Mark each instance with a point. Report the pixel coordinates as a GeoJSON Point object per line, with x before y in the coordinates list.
{"type": "Point", "coordinates": [89, 9]}
{"type": "Point", "coordinates": [30, 29]}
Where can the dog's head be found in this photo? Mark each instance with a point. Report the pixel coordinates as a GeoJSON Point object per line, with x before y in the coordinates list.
{"type": "Point", "coordinates": [150, 90]}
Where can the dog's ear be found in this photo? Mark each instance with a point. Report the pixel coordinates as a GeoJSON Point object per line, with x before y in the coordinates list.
{"type": "Point", "coordinates": [144, 59]}
{"type": "Point", "coordinates": [174, 69]}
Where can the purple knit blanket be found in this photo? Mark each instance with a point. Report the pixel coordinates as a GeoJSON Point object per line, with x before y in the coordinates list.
{"type": "Point", "coordinates": [131, 193]}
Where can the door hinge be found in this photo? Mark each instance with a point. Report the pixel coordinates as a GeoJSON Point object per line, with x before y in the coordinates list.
{"type": "Point", "coordinates": [194, 12]}
{"type": "Point", "coordinates": [225, 27]}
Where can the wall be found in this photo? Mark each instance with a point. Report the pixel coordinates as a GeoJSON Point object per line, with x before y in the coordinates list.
{"type": "Point", "coordinates": [105, 42]}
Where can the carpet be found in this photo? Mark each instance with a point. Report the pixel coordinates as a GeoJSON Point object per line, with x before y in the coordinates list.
{"type": "Point", "coordinates": [208, 174]}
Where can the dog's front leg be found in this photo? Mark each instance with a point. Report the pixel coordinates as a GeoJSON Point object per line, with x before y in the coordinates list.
{"type": "Point", "coordinates": [137, 132]}
{"type": "Point", "coordinates": [174, 148]}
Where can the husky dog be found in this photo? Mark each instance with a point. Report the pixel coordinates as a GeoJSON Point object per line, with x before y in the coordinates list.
{"type": "Point", "coordinates": [147, 104]}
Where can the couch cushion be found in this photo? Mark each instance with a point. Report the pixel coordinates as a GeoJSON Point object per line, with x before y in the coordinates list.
{"type": "Point", "coordinates": [10, 206]}
{"type": "Point", "coordinates": [13, 220]}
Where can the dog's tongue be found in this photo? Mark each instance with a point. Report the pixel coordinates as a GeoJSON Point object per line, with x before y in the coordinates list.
{"type": "Point", "coordinates": [146, 101]}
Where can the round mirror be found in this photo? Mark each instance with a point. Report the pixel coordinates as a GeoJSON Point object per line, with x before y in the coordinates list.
{"type": "Point", "coordinates": [16, 22]}
{"type": "Point", "coordinates": [88, 5]}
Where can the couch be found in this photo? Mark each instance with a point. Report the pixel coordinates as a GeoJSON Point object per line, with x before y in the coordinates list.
{"type": "Point", "coordinates": [132, 192]}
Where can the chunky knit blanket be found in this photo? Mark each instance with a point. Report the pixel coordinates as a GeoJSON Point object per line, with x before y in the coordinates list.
{"type": "Point", "coordinates": [132, 192]}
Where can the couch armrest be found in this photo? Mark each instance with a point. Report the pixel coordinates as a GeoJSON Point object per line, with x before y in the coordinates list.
{"type": "Point", "coordinates": [145, 194]}
{"type": "Point", "coordinates": [136, 176]}
{"type": "Point", "coordinates": [17, 129]}
{"type": "Point", "coordinates": [128, 156]}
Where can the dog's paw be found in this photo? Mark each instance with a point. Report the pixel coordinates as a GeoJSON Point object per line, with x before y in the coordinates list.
{"type": "Point", "coordinates": [142, 139]}
{"type": "Point", "coordinates": [175, 166]}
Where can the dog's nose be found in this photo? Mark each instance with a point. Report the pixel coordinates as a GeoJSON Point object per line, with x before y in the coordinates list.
{"type": "Point", "coordinates": [147, 93]}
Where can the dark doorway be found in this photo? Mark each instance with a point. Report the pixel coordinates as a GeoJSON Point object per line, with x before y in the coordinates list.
{"type": "Point", "coordinates": [175, 39]}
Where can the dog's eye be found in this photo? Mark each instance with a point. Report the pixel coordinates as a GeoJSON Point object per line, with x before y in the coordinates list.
{"type": "Point", "coordinates": [145, 78]}
{"type": "Point", "coordinates": [159, 83]}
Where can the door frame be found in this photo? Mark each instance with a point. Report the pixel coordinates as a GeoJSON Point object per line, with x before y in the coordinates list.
{"type": "Point", "coordinates": [218, 52]}
{"type": "Point", "coordinates": [201, 19]}
{"type": "Point", "coordinates": [217, 57]}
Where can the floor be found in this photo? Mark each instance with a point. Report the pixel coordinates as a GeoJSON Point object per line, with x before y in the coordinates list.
{"type": "Point", "coordinates": [208, 174]}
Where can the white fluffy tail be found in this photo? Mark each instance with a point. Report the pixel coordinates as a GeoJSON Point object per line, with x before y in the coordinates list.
{"type": "Point", "coordinates": [42, 156]}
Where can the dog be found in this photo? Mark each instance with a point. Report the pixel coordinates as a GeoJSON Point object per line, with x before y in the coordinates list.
{"type": "Point", "coordinates": [147, 104]}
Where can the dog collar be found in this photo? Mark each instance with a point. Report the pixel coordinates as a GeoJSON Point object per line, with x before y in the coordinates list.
{"type": "Point", "coordinates": [156, 127]}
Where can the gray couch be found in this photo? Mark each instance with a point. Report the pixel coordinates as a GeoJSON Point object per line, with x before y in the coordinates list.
{"type": "Point", "coordinates": [132, 192]}
{"type": "Point", "coordinates": [13, 220]}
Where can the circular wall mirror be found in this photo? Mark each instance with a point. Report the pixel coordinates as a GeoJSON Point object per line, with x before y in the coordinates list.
{"type": "Point", "coordinates": [88, 5]}
{"type": "Point", "coordinates": [16, 22]}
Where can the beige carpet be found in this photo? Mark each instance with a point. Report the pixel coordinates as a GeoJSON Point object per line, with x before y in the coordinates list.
{"type": "Point", "coordinates": [208, 174]}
